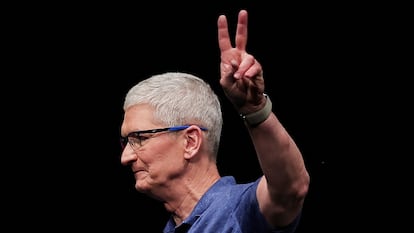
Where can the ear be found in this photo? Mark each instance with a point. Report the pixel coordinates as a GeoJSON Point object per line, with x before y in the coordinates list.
{"type": "Point", "coordinates": [193, 137]}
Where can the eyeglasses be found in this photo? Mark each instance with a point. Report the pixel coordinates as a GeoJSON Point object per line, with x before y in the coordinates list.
{"type": "Point", "coordinates": [136, 138]}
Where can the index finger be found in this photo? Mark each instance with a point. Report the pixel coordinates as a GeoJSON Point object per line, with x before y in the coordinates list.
{"type": "Point", "coordinates": [223, 33]}
{"type": "Point", "coordinates": [241, 33]}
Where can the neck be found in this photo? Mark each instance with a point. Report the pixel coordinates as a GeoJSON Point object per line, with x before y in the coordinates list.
{"type": "Point", "coordinates": [191, 188]}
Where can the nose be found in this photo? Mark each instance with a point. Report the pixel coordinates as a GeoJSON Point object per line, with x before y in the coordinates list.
{"type": "Point", "coordinates": [128, 155]}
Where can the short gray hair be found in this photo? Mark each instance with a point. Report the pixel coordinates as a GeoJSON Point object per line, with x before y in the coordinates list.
{"type": "Point", "coordinates": [179, 99]}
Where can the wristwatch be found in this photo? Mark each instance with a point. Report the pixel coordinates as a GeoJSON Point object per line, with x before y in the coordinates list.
{"type": "Point", "coordinates": [255, 118]}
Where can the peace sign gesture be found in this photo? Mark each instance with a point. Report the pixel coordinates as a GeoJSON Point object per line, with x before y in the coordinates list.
{"type": "Point", "coordinates": [241, 75]}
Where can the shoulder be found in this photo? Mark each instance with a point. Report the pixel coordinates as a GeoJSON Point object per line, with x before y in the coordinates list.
{"type": "Point", "coordinates": [228, 194]}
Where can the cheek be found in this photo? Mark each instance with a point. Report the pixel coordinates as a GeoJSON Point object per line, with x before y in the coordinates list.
{"type": "Point", "coordinates": [173, 167]}
{"type": "Point", "coordinates": [168, 163]}
{"type": "Point", "coordinates": [163, 157]}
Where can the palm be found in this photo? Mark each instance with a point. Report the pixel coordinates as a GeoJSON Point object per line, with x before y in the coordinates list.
{"type": "Point", "coordinates": [240, 73]}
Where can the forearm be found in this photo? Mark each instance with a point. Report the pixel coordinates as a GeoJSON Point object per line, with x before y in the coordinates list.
{"type": "Point", "coordinates": [280, 159]}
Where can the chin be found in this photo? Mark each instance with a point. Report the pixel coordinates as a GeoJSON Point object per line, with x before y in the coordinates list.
{"type": "Point", "coordinates": [142, 186]}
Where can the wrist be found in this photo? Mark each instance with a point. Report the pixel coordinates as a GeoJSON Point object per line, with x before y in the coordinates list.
{"type": "Point", "coordinates": [255, 118]}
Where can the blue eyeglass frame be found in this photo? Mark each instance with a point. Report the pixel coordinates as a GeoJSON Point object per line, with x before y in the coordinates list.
{"type": "Point", "coordinates": [136, 134]}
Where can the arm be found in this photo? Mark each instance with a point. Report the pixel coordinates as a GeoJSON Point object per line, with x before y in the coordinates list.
{"type": "Point", "coordinates": [285, 180]}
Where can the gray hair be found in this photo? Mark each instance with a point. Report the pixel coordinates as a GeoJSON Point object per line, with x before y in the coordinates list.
{"type": "Point", "coordinates": [179, 99]}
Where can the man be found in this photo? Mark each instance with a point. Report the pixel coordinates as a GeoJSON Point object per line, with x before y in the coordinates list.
{"type": "Point", "coordinates": [171, 133]}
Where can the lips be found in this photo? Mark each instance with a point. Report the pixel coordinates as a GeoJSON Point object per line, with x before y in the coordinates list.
{"type": "Point", "coordinates": [135, 172]}
{"type": "Point", "coordinates": [139, 174]}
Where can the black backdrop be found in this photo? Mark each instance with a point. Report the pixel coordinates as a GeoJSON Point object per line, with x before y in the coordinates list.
{"type": "Point", "coordinates": [78, 61]}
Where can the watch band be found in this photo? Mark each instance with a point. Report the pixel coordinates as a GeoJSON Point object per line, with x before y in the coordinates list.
{"type": "Point", "coordinates": [255, 118]}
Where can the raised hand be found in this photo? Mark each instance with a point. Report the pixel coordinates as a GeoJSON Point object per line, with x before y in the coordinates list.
{"type": "Point", "coordinates": [241, 75]}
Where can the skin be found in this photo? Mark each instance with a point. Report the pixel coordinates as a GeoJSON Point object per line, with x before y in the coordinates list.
{"type": "Point", "coordinates": [285, 183]}
{"type": "Point", "coordinates": [171, 167]}
{"type": "Point", "coordinates": [176, 168]}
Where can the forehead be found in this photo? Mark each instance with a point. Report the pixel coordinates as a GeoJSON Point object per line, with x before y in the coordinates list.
{"type": "Point", "coordinates": [138, 117]}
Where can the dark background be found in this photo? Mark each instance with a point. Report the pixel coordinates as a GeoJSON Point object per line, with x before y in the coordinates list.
{"type": "Point", "coordinates": [73, 64]}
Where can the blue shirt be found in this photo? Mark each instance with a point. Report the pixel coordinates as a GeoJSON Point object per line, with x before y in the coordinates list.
{"type": "Point", "coordinates": [228, 207]}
